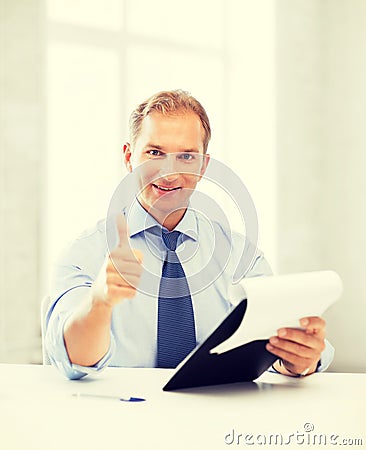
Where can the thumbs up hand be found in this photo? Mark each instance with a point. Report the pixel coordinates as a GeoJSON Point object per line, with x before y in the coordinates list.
{"type": "Point", "coordinates": [120, 274]}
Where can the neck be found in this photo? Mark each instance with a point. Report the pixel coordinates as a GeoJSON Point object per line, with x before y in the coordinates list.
{"type": "Point", "coordinates": [169, 220]}
{"type": "Point", "coordinates": [172, 220]}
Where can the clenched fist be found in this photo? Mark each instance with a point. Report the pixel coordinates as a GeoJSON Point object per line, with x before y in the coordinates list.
{"type": "Point", "coordinates": [121, 272]}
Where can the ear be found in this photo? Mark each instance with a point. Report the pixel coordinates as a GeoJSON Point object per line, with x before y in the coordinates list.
{"type": "Point", "coordinates": [127, 156]}
{"type": "Point", "coordinates": [205, 161]}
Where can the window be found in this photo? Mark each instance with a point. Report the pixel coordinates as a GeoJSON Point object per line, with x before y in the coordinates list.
{"type": "Point", "coordinates": [103, 59]}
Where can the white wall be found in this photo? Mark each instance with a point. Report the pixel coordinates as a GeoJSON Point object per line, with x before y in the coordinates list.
{"type": "Point", "coordinates": [250, 91]}
{"type": "Point", "coordinates": [299, 140]}
{"type": "Point", "coordinates": [321, 98]}
{"type": "Point", "coordinates": [21, 177]}
{"type": "Point", "coordinates": [344, 175]}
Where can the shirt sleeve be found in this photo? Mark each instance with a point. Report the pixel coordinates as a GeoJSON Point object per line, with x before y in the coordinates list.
{"type": "Point", "coordinates": [73, 276]}
{"type": "Point", "coordinates": [58, 313]}
{"type": "Point", "coordinates": [247, 260]}
{"type": "Point", "coordinates": [326, 358]}
{"type": "Point", "coordinates": [259, 267]}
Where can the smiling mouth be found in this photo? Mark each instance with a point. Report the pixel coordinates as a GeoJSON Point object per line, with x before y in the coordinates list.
{"type": "Point", "coordinates": [165, 189]}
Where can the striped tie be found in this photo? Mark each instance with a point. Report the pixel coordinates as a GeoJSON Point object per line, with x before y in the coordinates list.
{"type": "Point", "coordinates": [176, 329]}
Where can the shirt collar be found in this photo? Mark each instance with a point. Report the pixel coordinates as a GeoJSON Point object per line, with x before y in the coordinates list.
{"type": "Point", "coordinates": [140, 220]}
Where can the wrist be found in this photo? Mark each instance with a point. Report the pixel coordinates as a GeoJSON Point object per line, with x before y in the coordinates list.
{"type": "Point", "coordinates": [102, 305]}
{"type": "Point", "coordinates": [280, 367]}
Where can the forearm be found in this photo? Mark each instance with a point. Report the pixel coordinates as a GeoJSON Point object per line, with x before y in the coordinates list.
{"type": "Point", "coordinates": [87, 332]}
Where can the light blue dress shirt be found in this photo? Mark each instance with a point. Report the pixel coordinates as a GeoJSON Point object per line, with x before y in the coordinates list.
{"type": "Point", "coordinates": [210, 256]}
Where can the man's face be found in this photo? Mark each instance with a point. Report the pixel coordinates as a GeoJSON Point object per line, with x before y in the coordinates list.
{"type": "Point", "coordinates": [172, 149]}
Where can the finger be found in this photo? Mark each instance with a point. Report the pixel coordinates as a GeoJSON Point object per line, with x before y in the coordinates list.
{"type": "Point", "coordinates": [301, 362]}
{"type": "Point", "coordinates": [122, 229]}
{"type": "Point", "coordinates": [123, 256]}
{"type": "Point", "coordinates": [117, 294]}
{"type": "Point", "coordinates": [311, 349]}
{"type": "Point", "coordinates": [138, 255]}
{"type": "Point", "coordinates": [314, 325]}
{"type": "Point", "coordinates": [123, 280]}
{"type": "Point", "coordinates": [301, 337]}
{"type": "Point", "coordinates": [123, 265]}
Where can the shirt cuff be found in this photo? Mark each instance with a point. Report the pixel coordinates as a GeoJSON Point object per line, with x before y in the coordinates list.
{"type": "Point", "coordinates": [58, 355]}
{"type": "Point", "coordinates": [100, 365]}
{"type": "Point", "coordinates": [326, 357]}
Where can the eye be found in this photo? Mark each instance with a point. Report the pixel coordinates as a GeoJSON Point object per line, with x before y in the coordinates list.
{"type": "Point", "coordinates": [187, 156]}
{"type": "Point", "coordinates": [154, 152]}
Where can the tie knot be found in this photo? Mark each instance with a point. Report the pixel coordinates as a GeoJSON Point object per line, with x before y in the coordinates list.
{"type": "Point", "coordinates": [170, 239]}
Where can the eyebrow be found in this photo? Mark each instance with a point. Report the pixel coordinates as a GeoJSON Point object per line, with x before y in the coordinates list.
{"type": "Point", "coordinates": [159, 147]}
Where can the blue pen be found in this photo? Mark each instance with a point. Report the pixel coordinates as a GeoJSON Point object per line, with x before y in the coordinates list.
{"type": "Point", "coordinates": [113, 397]}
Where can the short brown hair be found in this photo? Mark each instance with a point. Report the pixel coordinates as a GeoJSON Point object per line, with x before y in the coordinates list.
{"type": "Point", "coordinates": [169, 102]}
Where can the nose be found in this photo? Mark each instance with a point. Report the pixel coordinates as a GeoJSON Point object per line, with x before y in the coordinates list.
{"type": "Point", "coordinates": [169, 169]}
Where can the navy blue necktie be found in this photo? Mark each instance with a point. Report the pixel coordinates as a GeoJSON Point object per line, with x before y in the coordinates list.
{"type": "Point", "coordinates": [176, 329]}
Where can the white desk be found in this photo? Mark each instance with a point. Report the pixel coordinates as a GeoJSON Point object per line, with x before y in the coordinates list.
{"type": "Point", "coordinates": [38, 411]}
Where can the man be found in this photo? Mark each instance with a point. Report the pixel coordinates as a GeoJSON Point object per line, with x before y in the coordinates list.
{"type": "Point", "coordinates": [105, 309]}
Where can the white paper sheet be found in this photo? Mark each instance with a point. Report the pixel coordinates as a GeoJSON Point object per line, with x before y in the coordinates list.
{"type": "Point", "coordinates": [280, 301]}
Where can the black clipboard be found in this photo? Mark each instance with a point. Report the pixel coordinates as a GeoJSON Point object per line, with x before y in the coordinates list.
{"type": "Point", "coordinates": [244, 363]}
